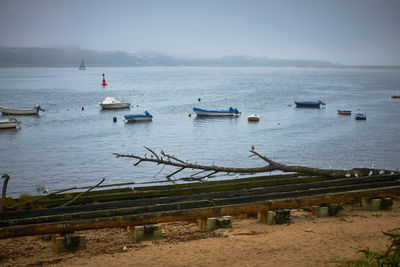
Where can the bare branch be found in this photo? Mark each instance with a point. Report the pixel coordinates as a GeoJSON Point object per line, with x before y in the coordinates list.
{"type": "Point", "coordinates": [152, 152]}
{"type": "Point", "coordinates": [175, 172]}
{"type": "Point", "coordinates": [72, 200]}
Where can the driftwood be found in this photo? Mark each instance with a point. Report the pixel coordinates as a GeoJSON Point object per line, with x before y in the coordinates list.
{"type": "Point", "coordinates": [171, 160]}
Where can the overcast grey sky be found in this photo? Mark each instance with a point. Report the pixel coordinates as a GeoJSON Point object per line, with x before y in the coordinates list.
{"type": "Point", "coordinates": [362, 32]}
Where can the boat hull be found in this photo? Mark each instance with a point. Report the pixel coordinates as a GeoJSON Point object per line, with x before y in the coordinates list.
{"type": "Point", "coordinates": [344, 112]}
{"type": "Point", "coordinates": [253, 118]}
{"type": "Point", "coordinates": [115, 105]}
{"type": "Point", "coordinates": [308, 104]}
{"type": "Point", "coordinates": [18, 111]}
{"type": "Point", "coordinates": [8, 124]}
{"type": "Point", "coordinates": [216, 112]}
{"type": "Point", "coordinates": [139, 117]}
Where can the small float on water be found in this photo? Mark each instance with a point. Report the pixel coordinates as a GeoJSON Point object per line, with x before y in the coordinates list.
{"type": "Point", "coordinates": [112, 103]}
{"type": "Point", "coordinates": [253, 118]}
{"type": "Point", "coordinates": [8, 123]}
{"type": "Point", "coordinates": [146, 116]}
{"type": "Point", "coordinates": [344, 112]}
{"type": "Point", "coordinates": [361, 117]}
{"type": "Point", "coordinates": [216, 112]}
{"type": "Point", "coordinates": [21, 111]}
{"type": "Point", "coordinates": [309, 104]}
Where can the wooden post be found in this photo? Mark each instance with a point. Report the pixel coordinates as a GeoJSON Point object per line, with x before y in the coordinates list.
{"type": "Point", "coordinates": [3, 196]}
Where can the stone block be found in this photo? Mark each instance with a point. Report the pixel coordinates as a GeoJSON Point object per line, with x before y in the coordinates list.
{"type": "Point", "coordinates": [144, 232]}
{"type": "Point", "coordinates": [211, 224]}
{"type": "Point", "coordinates": [262, 216]}
{"type": "Point", "coordinates": [376, 204]}
{"type": "Point", "coordinates": [282, 216]}
{"type": "Point", "coordinates": [387, 203]}
{"type": "Point", "coordinates": [58, 243]}
{"type": "Point", "coordinates": [366, 203]}
{"type": "Point", "coordinates": [322, 212]}
{"type": "Point", "coordinates": [224, 222]}
{"type": "Point", "coordinates": [271, 217]}
{"type": "Point", "coordinates": [314, 210]}
{"type": "Point", "coordinates": [69, 242]}
{"type": "Point", "coordinates": [334, 209]}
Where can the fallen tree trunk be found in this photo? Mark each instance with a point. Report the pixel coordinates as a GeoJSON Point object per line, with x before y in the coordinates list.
{"type": "Point", "coordinates": [171, 160]}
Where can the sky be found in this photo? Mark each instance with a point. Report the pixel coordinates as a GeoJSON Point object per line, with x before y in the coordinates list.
{"type": "Point", "coordinates": [352, 32]}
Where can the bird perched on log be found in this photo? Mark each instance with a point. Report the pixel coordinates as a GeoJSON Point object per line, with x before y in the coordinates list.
{"type": "Point", "coordinates": [252, 147]}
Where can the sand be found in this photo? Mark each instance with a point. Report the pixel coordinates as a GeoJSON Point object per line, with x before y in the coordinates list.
{"type": "Point", "coordinates": [306, 241]}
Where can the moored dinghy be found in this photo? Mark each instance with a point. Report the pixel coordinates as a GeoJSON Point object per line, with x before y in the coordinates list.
{"type": "Point", "coordinates": [309, 104]}
{"type": "Point", "coordinates": [253, 118]}
{"type": "Point", "coordinates": [21, 111]}
{"type": "Point", "coordinates": [216, 112]}
{"type": "Point", "coordinates": [8, 123]}
{"type": "Point", "coordinates": [344, 112]}
{"type": "Point", "coordinates": [146, 116]}
{"type": "Point", "coordinates": [361, 117]}
{"type": "Point", "coordinates": [113, 103]}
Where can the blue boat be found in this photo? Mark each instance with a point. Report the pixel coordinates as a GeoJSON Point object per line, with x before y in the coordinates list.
{"type": "Point", "coordinates": [146, 116]}
{"type": "Point", "coordinates": [309, 104]}
{"type": "Point", "coordinates": [361, 117]}
{"type": "Point", "coordinates": [216, 112]}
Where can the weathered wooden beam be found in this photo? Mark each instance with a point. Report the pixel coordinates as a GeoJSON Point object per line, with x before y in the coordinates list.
{"type": "Point", "coordinates": [246, 195]}
{"type": "Point", "coordinates": [184, 215]}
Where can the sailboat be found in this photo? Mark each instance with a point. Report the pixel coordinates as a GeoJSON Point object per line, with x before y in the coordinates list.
{"type": "Point", "coordinates": [82, 66]}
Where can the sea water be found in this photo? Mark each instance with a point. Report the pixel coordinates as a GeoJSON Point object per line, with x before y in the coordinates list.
{"type": "Point", "coordinates": [73, 141]}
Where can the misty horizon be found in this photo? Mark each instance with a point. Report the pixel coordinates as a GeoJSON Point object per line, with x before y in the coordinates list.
{"type": "Point", "coordinates": [357, 32]}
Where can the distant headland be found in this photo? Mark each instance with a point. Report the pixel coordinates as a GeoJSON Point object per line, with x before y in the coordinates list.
{"type": "Point", "coordinates": [71, 57]}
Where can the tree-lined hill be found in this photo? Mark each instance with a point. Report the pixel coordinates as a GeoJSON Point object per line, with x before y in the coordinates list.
{"type": "Point", "coordinates": [71, 57]}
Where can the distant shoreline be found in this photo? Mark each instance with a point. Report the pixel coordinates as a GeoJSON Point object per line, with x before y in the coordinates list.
{"type": "Point", "coordinates": [209, 66]}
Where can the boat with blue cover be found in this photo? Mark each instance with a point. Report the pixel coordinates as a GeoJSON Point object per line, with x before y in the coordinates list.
{"type": "Point", "coordinates": [146, 116]}
{"type": "Point", "coordinates": [361, 117]}
{"type": "Point", "coordinates": [216, 112]}
{"type": "Point", "coordinates": [309, 104]}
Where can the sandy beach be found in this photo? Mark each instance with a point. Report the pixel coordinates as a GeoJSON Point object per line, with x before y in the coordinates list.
{"type": "Point", "coordinates": [306, 241]}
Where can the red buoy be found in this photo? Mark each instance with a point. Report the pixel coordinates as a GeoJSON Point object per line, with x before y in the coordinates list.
{"type": "Point", "coordinates": [104, 81]}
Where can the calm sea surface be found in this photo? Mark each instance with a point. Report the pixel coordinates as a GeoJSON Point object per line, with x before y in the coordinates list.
{"type": "Point", "coordinates": [66, 146]}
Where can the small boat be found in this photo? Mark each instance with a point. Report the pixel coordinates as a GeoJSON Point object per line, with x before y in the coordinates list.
{"type": "Point", "coordinates": [82, 65]}
{"type": "Point", "coordinates": [344, 112]}
{"type": "Point", "coordinates": [8, 123]}
{"type": "Point", "coordinates": [395, 96]}
{"type": "Point", "coordinates": [146, 116]}
{"type": "Point", "coordinates": [21, 111]}
{"type": "Point", "coordinates": [112, 103]}
{"type": "Point", "coordinates": [216, 112]}
{"type": "Point", "coordinates": [308, 104]}
{"type": "Point", "coordinates": [361, 117]}
{"type": "Point", "coordinates": [253, 118]}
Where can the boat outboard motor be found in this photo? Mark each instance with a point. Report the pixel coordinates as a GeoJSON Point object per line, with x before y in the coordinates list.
{"type": "Point", "coordinates": [38, 107]}
{"type": "Point", "coordinates": [147, 113]}
{"type": "Point", "coordinates": [235, 110]}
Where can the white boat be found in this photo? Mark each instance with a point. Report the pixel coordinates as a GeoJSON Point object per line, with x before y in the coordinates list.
{"type": "Point", "coordinates": [21, 111]}
{"type": "Point", "coordinates": [8, 123]}
{"type": "Point", "coordinates": [112, 103]}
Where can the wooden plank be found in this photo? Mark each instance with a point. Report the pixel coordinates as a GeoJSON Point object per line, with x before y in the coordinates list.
{"type": "Point", "coordinates": [243, 197]}
{"type": "Point", "coordinates": [183, 215]}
